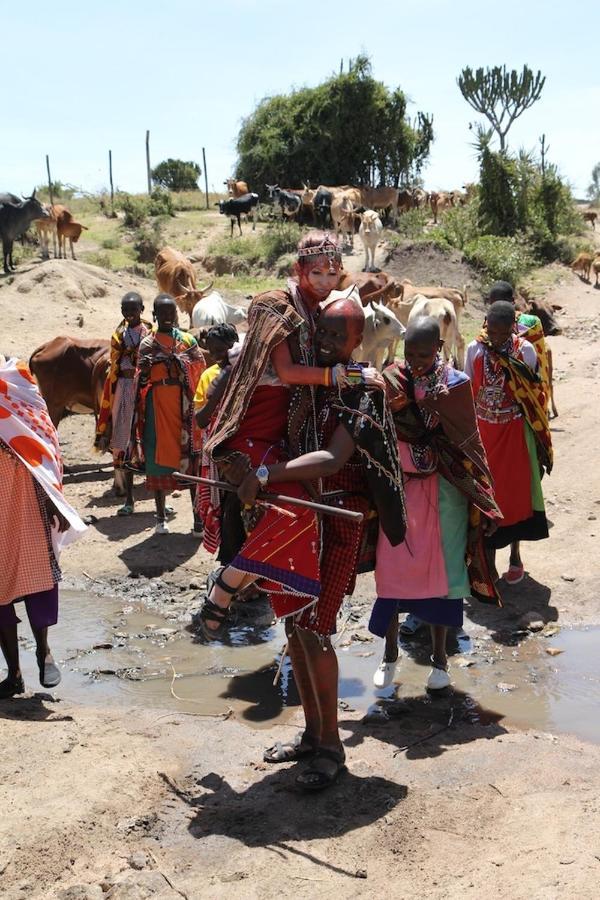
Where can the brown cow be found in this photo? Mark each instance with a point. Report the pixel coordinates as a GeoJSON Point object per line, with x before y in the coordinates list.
{"type": "Point", "coordinates": [175, 276]}
{"type": "Point", "coordinates": [596, 270]}
{"type": "Point", "coordinates": [439, 201]}
{"type": "Point", "coordinates": [236, 188]}
{"type": "Point", "coordinates": [63, 368]}
{"type": "Point", "coordinates": [71, 230]}
{"type": "Point", "coordinates": [380, 199]}
{"type": "Point", "coordinates": [48, 226]}
{"type": "Point", "coordinates": [590, 216]}
{"type": "Point", "coordinates": [408, 290]}
{"type": "Point", "coordinates": [583, 265]}
{"type": "Point", "coordinates": [371, 286]}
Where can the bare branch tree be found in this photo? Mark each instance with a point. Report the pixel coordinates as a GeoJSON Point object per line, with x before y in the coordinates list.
{"type": "Point", "coordinates": [501, 96]}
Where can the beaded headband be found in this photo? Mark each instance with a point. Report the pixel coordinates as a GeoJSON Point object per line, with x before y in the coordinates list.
{"type": "Point", "coordinates": [325, 248]}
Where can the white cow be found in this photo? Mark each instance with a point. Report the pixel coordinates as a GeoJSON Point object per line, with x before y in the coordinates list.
{"type": "Point", "coordinates": [370, 230]}
{"type": "Point", "coordinates": [382, 332]}
{"type": "Point", "coordinates": [213, 310]}
{"type": "Point", "coordinates": [443, 310]}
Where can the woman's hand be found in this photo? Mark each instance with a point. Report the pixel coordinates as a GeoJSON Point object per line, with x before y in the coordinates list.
{"type": "Point", "coordinates": [235, 470]}
{"type": "Point", "coordinates": [373, 378]}
{"type": "Point", "coordinates": [56, 517]}
{"type": "Point", "coordinates": [248, 489]}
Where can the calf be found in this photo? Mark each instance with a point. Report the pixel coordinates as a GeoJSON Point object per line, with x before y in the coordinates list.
{"type": "Point", "coordinates": [408, 291]}
{"type": "Point", "coordinates": [590, 216]}
{"type": "Point", "coordinates": [288, 201]}
{"type": "Point", "coordinates": [175, 276]}
{"type": "Point", "coordinates": [236, 188]}
{"type": "Point", "coordinates": [213, 310]}
{"type": "Point", "coordinates": [342, 216]}
{"type": "Point", "coordinates": [583, 265]}
{"type": "Point", "coordinates": [370, 231]}
{"type": "Point", "coordinates": [443, 311]}
{"type": "Point", "coordinates": [72, 231]}
{"type": "Point", "coordinates": [382, 333]}
{"type": "Point", "coordinates": [237, 207]}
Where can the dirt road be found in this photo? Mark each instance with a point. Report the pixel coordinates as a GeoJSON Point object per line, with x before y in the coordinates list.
{"type": "Point", "coordinates": [131, 802]}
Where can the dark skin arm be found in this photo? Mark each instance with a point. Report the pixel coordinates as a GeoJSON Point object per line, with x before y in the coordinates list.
{"type": "Point", "coordinates": [309, 467]}
{"type": "Point", "coordinates": [54, 515]}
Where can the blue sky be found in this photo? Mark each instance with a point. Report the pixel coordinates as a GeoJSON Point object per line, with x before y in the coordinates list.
{"type": "Point", "coordinates": [89, 76]}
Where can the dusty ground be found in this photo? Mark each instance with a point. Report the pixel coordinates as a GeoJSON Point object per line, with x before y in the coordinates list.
{"type": "Point", "coordinates": [137, 803]}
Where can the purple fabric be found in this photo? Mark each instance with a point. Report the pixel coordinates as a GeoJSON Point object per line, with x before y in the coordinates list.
{"type": "Point", "coordinates": [41, 607]}
{"type": "Point", "coordinates": [434, 611]}
{"type": "Point", "coordinates": [297, 583]}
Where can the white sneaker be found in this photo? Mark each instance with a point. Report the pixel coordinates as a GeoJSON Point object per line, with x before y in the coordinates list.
{"type": "Point", "coordinates": [384, 674]}
{"type": "Point", "coordinates": [161, 528]}
{"type": "Point", "coordinates": [438, 679]}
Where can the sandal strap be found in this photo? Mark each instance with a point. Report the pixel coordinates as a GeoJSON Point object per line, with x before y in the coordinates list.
{"type": "Point", "coordinates": [211, 610]}
{"type": "Point", "coordinates": [218, 580]}
{"type": "Point", "coordinates": [336, 756]}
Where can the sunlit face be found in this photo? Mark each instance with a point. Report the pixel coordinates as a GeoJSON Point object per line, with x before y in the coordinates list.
{"type": "Point", "coordinates": [131, 312]}
{"type": "Point", "coordinates": [335, 339]}
{"type": "Point", "coordinates": [420, 355]}
{"type": "Point", "coordinates": [319, 278]}
{"type": "Point", "coordinates": [499, 332]}
{"type": "Point", "coordinates": [165, 315]}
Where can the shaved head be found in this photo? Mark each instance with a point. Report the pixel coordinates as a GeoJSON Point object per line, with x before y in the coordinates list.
{"type": "Point", "coordinates": [501, 290]}
{"type": "Point", "coordinates": [348, 309]}
{"type": "Point", "coordinates": [502, 312]}
{"type": "Point", "coordinates": [423, 330]}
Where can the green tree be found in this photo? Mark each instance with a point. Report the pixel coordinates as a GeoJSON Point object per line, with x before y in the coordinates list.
{"type": "Point", "coordinates": [501, 96]}
{"type": "Point", "coordinates": [349, 129]}
{"type": "Point", "coordinates": [593, 190]}
{"type": "Point", "coordinates": [177, 175]}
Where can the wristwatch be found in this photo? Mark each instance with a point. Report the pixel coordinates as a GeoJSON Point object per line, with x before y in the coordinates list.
{"type": "Point", "coordinates": [262, 473]}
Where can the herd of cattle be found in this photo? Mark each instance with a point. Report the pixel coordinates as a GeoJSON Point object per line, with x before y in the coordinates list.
{"type": "Point", "coordinates": [16, 215]}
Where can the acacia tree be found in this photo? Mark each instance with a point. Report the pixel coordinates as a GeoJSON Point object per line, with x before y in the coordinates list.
{"type": "Point", "coordinates": [349, 129]}
{"type": "Point", "coordinates": [177, 175]}
{"type": "Point", "coordinates": [501, 96]}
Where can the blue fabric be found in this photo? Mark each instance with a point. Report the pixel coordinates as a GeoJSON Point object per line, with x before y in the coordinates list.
{"type": "Point", "coordinates": [434, 611]}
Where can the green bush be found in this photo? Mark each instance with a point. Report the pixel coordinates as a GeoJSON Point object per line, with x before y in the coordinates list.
{"type": "Point", "coordinates": [136, 210]}
{"type": "Point", "coordinates": [110, 243]}
{"type": "Point", "coordinates": [263, 250]}
{"type": "Point", "coordinates": [458, 226]}
{"type": "Point", "coordinates": [161, 203]}
{"type": "Point", "coordinates": [500, 258]}
{"type": "Point", "coordinates": [411, 224]}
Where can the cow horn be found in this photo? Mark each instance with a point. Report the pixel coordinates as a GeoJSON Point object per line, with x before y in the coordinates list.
{"type": "Point", "coordinates": [205, 290]}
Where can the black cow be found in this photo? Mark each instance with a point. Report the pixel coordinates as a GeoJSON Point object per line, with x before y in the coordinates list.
{"type": "Point", "coordinates": [14, 220]}
{"type": "Point", "coordinates": [289, 203]}
{"type": "Point", "coordinates": [322, 206]}
{"type": "Point", "coordinates": [239, 206]}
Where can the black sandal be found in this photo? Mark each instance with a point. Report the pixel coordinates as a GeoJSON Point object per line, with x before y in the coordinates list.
{"type": "Point", "coordinates": [290, 751]}
{"type": "Point", "coordinates": [318, 778]}
{"type": "Point", "coordinates": [211, 611]}
{"type": "Point", "coordinates": [11, 686]}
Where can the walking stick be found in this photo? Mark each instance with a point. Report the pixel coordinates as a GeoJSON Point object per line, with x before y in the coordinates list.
{"type": "Point", "coordinates": [348, 514]}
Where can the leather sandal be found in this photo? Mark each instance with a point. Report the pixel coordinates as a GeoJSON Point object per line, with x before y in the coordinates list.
{"type": "Point", "coordinates": [212, 612]}
{"type": "Point", "coordinates": [290, 751]}
{"type": "Point", "coordinates": [11, 686]}
{"type": "Point", "coordinates": [314, 779]}
{"type": "Point", "coordinates": [50, 676]}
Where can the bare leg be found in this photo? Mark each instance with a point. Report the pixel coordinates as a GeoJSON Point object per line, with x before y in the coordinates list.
{"type": "Point", "coordinates": [233, 578]}
{"type": "Point", "coordinates": [308, 698]}
{"type": "Point", "coordinates": [159, 499]}
{"type": "Point", "coordinates": [391, 641]}
{"type": "Point", "coordinates": [322, 667]}
{"type": "Point", "coordinates": [515, 554]}
{"type": "Point", "coordinates": [10, 648]}
{"type": "Point", "coordinates": [129, 488]}
{"type": "Point", "coordinates": [438, 644]}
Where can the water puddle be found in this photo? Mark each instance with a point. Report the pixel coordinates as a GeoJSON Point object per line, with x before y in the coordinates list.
{"type": "Point", "coordinates": [113, 653]}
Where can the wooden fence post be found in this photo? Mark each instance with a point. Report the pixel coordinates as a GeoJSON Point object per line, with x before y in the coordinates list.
{"type": "Point", "coordinates": [112, 190]}
{"type": "Point", "coordinates": [205, 175]}
{"type": "Point", "coordinates": [148, 162]}
{"type": "Point", "coordinates": [49, 181]}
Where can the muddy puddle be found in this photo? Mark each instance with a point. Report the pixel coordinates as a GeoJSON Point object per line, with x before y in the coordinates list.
{"type": "Point", "coordinates": [116, 653]}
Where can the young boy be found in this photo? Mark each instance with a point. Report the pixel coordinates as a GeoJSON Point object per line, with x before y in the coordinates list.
{"type": "Point", "coordinates": [514, 429]}
{"type": "Point", "coordinates": [118, 399]}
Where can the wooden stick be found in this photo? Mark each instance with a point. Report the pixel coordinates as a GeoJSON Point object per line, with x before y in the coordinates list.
{"type": "Point", "coordinates": [336, 511]}
{"type": "Point", "coordinates": [50, 185]}
{"type": "Point", "coordinates": [205, 176]}
{"type": "Point", "coordinates": [148, 171]}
